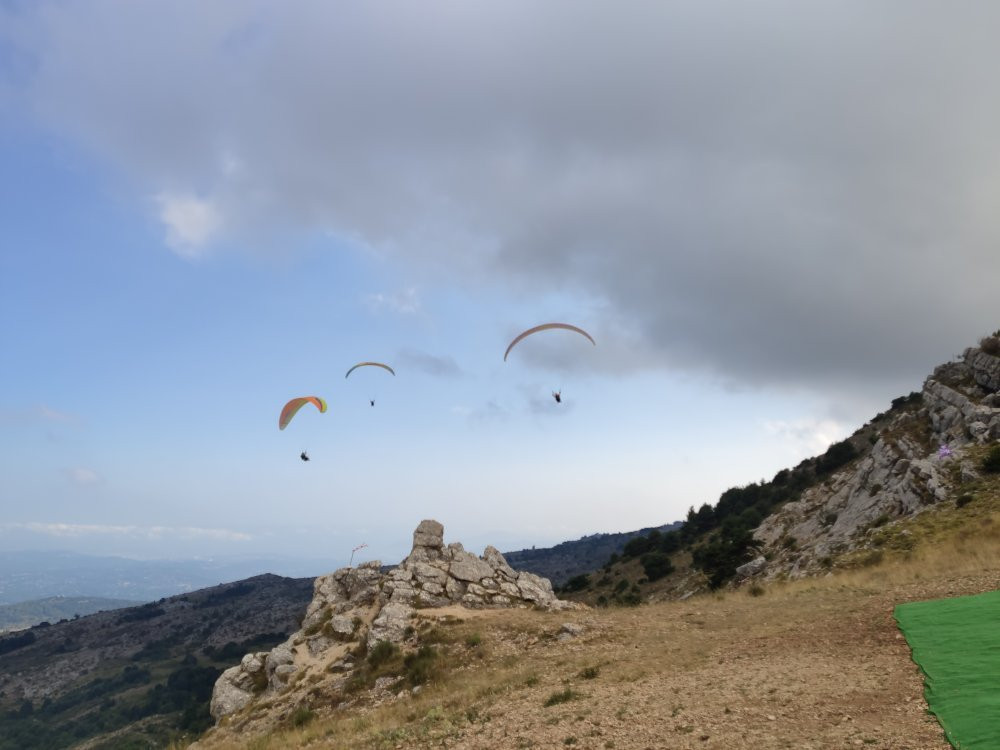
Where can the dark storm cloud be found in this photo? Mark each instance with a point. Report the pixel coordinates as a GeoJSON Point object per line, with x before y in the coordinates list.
{"type": "Point", "coordinates": [774, 192]}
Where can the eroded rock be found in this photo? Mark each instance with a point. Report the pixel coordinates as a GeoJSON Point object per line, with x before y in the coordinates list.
{"type": "Point", "coordinates": [365, 605]}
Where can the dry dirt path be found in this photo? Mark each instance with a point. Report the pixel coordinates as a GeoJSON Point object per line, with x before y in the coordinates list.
{"type": "Point", "coordinates": [812, 665]}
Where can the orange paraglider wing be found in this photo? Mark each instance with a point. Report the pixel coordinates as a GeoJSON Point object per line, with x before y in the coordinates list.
{"type": "Point", "coordinates": [292, 408]}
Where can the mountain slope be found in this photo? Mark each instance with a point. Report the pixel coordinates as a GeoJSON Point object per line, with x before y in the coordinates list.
{"type": "Point", "coordinates": [136, 677]}
{"type": "Point", "coordinates": [926, 449]}
{"type": "Point", "coordinates": [569, 559]}
{"type": "Point", "coordinates": [55, 608]}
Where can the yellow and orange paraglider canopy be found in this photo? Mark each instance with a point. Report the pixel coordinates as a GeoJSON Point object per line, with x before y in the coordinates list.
{"type": "Point", "coordinates": [370, 364]}
{"type": "Point", "coordinates": [545, 327]}
{"type": "Point", "coordinates": [292, 408]}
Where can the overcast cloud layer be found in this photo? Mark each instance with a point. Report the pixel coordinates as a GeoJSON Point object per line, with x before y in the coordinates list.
{"type": "Point", "coordinates": [778, 192]}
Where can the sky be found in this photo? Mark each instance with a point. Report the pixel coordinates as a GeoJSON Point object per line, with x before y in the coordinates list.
{"type": "Point", "coordinates": [773, 218]}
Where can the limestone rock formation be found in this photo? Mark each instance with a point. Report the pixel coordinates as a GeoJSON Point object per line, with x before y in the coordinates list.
{"type": "Point", "coordinates": [900, 475]}
{"type": "Point", "coordinates": [364, 605]}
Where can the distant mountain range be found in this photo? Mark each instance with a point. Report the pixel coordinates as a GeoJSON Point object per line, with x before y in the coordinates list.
{"type": "Point", "coordinates": [55, 608]}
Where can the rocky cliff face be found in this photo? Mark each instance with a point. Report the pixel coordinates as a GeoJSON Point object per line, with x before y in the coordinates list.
{"type": "Point", "coordinates": [905, 471]}
{"type": "Point", "coordinates": [362, 605]}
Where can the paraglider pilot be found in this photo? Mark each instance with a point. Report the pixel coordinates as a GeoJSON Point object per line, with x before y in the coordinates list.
{"type": "Point", "coordinates": [304, 456]}
{"type": "Point", "coordinates": [557, 395]}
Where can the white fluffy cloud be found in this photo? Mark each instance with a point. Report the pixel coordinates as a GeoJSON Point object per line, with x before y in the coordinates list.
{"type": "Point", "coordinates": [192, 223]}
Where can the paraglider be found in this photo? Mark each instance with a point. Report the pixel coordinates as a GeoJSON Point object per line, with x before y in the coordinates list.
{"type": "Point", "coordinates": [290, 409]}
{"type": "Point", "coordinates": [557, 395]}
{"type": "Point", "coordinates": [544, 327]}
{"type": "Point", "coordinates": [304, 456]}
{"type": "Point", "coordinates": [371, 401]}
{"type": "Point", "coordinates": [370, 364]}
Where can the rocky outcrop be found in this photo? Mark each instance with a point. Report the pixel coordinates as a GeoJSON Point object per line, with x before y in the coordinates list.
{"type": "Point", "coordinates": [901, 474]}
{"type": "Point", "coordinates": [985, 369]}
{"type": "Point", "coordinates": [359, 605]}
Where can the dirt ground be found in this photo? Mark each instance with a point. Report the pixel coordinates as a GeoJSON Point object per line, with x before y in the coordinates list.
{"type": "Point", "coordinates": [808, 665]}
{"type": "Point", "coordinates": [805, 669]}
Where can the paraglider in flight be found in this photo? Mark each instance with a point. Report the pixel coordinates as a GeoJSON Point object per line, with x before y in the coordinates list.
{"type": "Point", "coordinates": [546, 327]}
{"type": "Point", "coordinates": [292, 408]}
{"type": "Point", "coordinates": [371, 401]}
{"type": "Point", "coordinates": [304, 456]}
{"type": "Point", "coordinates": [557, 395]}
{"type": "Point", "coordinates": [370, 364]}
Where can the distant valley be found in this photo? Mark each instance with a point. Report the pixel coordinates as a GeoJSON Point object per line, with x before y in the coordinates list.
{"type": "Point", "coordinates": [33, 575]}
{"type": "Point", "coordinates": [55, 608]}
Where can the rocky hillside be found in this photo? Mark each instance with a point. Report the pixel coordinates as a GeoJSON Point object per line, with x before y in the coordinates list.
{"type": "Point", "coordinates": [917, 458]}
{"type": "Point", "coordinates": [570, 559]}
{"type": "Point", "coordinates": [136, 677]}
{"type": "Point", "coordinates": [838, 509]}
{"type": "Point", "coordinates": [361, 620]}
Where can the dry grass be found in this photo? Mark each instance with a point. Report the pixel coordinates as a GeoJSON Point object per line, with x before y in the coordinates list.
{"type": "Point", "coordinates": [815, 663]}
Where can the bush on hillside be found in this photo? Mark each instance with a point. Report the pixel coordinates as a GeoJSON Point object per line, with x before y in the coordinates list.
{"type": "Point", "coordinates": [991, 463]}
{"type": "Point", "coordinates": [576, 583]}
{"type": "Point", "coordinates": [990, 345]}
{"type": "Point", "coordinates": [656, 565]}
{"type": "Point", "coordinates": [836, 456]}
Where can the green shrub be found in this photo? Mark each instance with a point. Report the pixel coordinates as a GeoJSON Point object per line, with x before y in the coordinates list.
{"type": "Point", "coordinates": [836, 456]}
{"type": "Point", "coordinates": [963, 500]}
{"type": "Point", "coordinates": [302, 716]}
{"type": "Point", "coordinates": [563, 696]}
{"type": "Point", "coordinates": [756, 590]}
{"type": "Point", "coordinates": [381, 653]}
{"type": "Point", "coordinates": [882, 520]}
{"type": "Point", "coordinates": [628, 599]}
{"type": "Point", "coordinates": [990, 345]}
{"type": "Point", "coordinates": [473, 640]}
{"type": "Point", "coordinates": [656, 565]}
{"type": "Point", "coordinates": [991, 463]}
{"type": "Point", "coordinates": [589, 673]}
{"type": "Point", "coordinates": [577, 583]}
{"type": "Point", "coordinates": [421, 666]}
